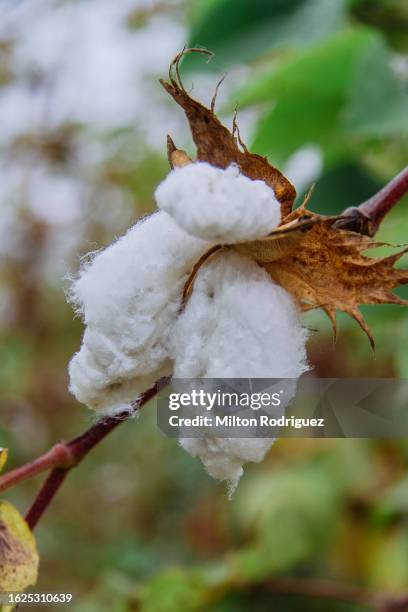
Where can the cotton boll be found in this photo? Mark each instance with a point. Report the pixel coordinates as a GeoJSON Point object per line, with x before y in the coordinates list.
{"type": "Point", "coordinates": [90, 384]}
{"type": "Point", "coordinates": [218, 205]}
{"type": "Point", "coordinates": [237, 324]}
{"type": "Point", "coordinates": [129, 296]}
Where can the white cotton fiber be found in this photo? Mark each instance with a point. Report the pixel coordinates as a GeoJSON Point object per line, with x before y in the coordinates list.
{"type": "Point", "coordinates": [223, 458]}
{"type": "Point", "coordinates": [237, 324]}
{"type": "Point", "coordinates": [218, 205]}
{"type": "Point", "coordinates": [129, 295]}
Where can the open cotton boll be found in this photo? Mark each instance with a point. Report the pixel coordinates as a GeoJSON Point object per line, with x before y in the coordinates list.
{"type": "Point", "coordinates": [218, 205]}
{"type": "Point", "coordinates": [129, 296]}
{"type": "Point", "coordinates": [237, 324]}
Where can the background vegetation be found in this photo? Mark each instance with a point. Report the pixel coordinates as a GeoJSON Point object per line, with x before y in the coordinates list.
{"type": "Point", "coordinates": [322, 89]}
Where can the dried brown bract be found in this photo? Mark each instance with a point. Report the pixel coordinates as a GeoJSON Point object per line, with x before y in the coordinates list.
{"type": "Point", "coordinates": [220, 147]}
{"type": "Point", "coordinates": [321, 265]}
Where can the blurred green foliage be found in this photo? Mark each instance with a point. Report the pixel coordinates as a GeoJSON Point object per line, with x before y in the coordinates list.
{"type": "Point", "coordinates": [323, 73]}
{"type": "Point", "coordinates": [140, 526]}
{"type": "Point", "coordinates": [238, 31]}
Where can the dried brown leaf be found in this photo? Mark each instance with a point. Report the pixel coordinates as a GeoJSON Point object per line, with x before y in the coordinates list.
{"type": "Point", "coordinates": [220, 147]}
{"type": "Point", "coordinates": [321, 265]}
{"type": "Point", "coordinates": [279, 243]}
{"type": "Point", "coordinates": [328, 270]}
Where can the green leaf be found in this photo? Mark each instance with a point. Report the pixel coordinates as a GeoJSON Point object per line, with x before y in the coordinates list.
{"type": "Point", "coordinates": [3, 457]}
{"type": "Point", "coordinates": [18, 551]}
{"type": "Point", "coordinates": [378, 104]}
{"type": "Point", "coordinates": [292, 512]}
{"type": "Point", "coordinates": [175, 589]}
{"type": "Point", "coordinates": [306, 97]}
{"type": "Point", "coordinates": [238, 30]}
{"type": "Point", "coordinates": [307, 71]}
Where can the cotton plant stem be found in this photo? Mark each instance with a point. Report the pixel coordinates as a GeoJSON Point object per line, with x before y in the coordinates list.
{"type": "Point", "coordinates": [78, 449]}
{"type": "Point", "coordinates": [325, 589]}
{"type": "Point", "coordinates": [66, 455]}
{"type": "Point", "coordinates": [63, 455]}
{"type": "Point", "coordinates": [59, 454]}
{"type": "Point", "coordinates": [366, 218]}
{"type": "Point", "coordinates": [45, 495]}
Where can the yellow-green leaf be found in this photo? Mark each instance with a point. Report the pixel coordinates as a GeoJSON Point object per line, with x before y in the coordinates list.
{"type": "Point", "coordinates": [18, 551]}
{"type": "Point", "coordinates": [3, 457]}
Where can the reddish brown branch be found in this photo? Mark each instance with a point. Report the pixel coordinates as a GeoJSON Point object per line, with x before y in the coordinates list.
{"type": "Point", "coordinates": [60, 454]}
{"type": "Point", "coordinates": [65, 455]}
{"type": "Point", "coordinates": [46, 495]}
{"type": "Point", "coordinates": [325, 589]}
{"type": "Point", "coordinates": [78, 448]}
{"type": "Point", "coordinates": [366, 218]}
